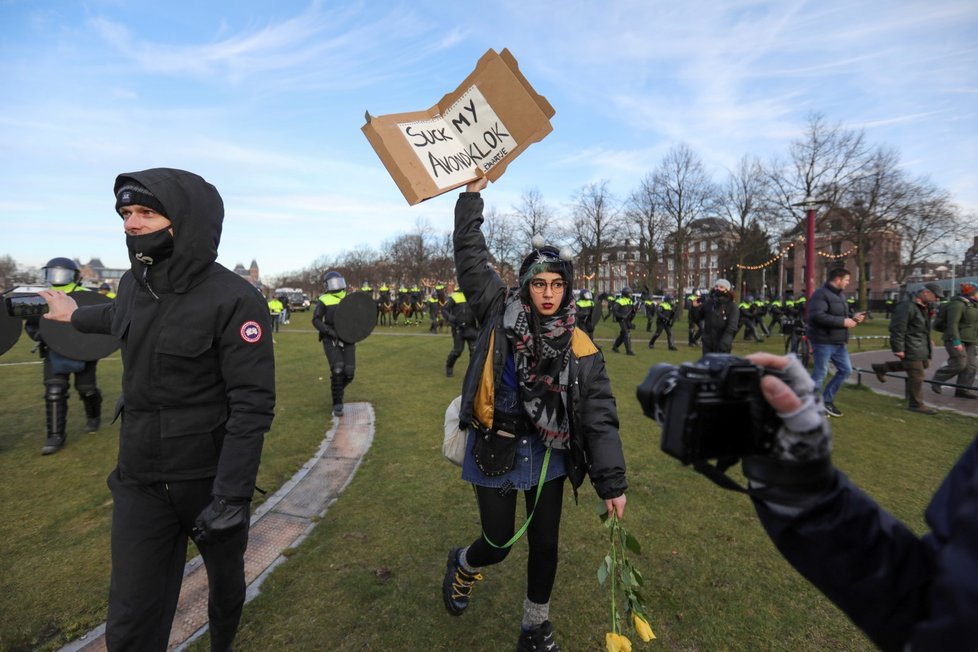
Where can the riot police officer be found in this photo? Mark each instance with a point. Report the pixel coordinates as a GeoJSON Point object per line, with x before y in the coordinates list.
{"type": "Point", "coordinates": [63, 274]}
{"type": "Point", "coordinates": [585, 310]}
{"type": "Point", "coordinates": [665, 316]}
{"type": "Point", "coordinates": [465, 330]}
{"type": "Point", "coordinates": [340, 355]}
{"type": "Point", "coordinates": [623, 309]}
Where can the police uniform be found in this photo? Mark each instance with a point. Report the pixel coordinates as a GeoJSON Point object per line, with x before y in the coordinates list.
{"type": "Point", "coordinates": [624, 311]}
{"type": "Point", "coordinates": [341, 356]}
{"type": "Point", "coordinates": [58, 368]}
{"type": "Point", "coordinates": [665, 315]}
{"type": "Point", "coordinates": [458, 313]}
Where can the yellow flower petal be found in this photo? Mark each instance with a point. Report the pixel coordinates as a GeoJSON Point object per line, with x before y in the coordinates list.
{"type": "Point", "coordinates": [643, 628]}
{"type": "Point", "coordinates": [611, 642]}
{"type": "Point", "coordinates": [624, 643]}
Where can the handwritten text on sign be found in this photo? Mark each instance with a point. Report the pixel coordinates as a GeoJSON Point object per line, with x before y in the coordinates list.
{"type": "Point", "coordinates": [468, 137]}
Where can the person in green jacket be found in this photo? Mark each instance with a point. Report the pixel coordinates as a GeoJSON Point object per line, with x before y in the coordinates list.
{"type": "Point", "coordinates": [911, 344]}
{"type": "Point", "coordinates": [960, 339]}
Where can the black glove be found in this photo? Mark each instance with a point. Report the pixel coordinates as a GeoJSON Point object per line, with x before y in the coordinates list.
{"type": "Point", "coordinates": [799, 467]}
{"type": "Point", "coordinates": [221, 519]}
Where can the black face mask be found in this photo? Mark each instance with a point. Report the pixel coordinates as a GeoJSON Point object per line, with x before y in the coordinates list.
{"type": "Point", "coordinates": [150, 248]}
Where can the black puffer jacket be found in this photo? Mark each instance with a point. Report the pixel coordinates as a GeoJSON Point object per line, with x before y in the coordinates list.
{"type": "Point", "coordinates": [198, 382]}
{"type": "Point", "coordinates": [827, 313]}
{"type": "Point", "coordinates": [595, 447]}
{"type": "Point", "coordinates": [721, 320]}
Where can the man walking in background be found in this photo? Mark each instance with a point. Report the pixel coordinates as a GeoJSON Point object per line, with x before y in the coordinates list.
{"type": "Point", "coordinates": [828, 330]}
{"type": "Point", "coordinates": [911, 344]}
{"type": "Point", "coordinates": [960, 337]}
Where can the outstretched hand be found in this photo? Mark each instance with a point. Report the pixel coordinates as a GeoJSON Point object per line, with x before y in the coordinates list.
{"type": "Point", "coordinates": [60, 305]}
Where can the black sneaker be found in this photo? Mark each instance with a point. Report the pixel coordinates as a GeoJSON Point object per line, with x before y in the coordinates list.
{"type": "Point", "coordinates": [92, 424]}
{"type": "Point", "coordinates": [338, 410]}
{"type": "Point", "coordinates": [540, 637]}
{"type": "Point", "coordinates": [457, 585]}
{"type": "Point", "coordinates": [831, 410]}
{"type": "Point", "coordinates": [936, 388]}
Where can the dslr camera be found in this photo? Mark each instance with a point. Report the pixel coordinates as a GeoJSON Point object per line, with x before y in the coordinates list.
{"type": "Point", "coordinates": [710, 409]}
{"type": "Point", "coordinates": [25, 305]}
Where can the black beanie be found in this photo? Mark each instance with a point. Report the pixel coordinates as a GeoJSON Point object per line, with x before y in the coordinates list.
{"type": "Point", "coordinates": [132, 193]}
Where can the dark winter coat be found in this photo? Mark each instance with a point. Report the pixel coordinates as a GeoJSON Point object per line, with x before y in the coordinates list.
{"type": "Point", "coordinates": [962, 321]}
{"type": "Point", "coordinates": [595, 444]}
{"type": "Point", "coordinates": [827, 313]}
{"type": "Point", "coordinates": [721, 319]}
{"type": "Point", "coordinates": [903, 591]}
{"type": "Point", "coordinates": [198, 384]}
{"type": "Point", "coordinates": [910, 331]}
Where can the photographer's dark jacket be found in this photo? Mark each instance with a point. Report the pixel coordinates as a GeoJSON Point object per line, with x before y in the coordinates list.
{"type": "Point", "coordinates": [827, 313]}
{"type": "Point", "coordinates": [198, 386]}
{"type": "Point", "coordinates": [721, 319]}
{"type": "Point", "coordinates": [595, 445]}
{"type": "Point", "coordinates": [910, 330]}
{"type": "Point", "coordinates": [900, 589]}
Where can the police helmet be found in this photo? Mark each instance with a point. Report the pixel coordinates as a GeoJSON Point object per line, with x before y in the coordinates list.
{"type": "Point", "coordinates": [61, 271]}
{"type": "Point", "coordinates": [586, 295]}
{"type": "Point", "coordinates": [334, 282]}
{"type": "Point", "coordinates": [105, 286]}
{"type": "Point", "coordinates": [668, 297]}
{"type": "Point", "coordinates": [625, 291]}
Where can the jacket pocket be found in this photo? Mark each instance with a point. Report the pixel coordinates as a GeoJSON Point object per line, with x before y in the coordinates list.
{"type": "Point", "coordinates": [494, 454]}
{"type": "Point", "coordinates": [191, 437]}
{"type": "Point", "coordinates": [183, 358]}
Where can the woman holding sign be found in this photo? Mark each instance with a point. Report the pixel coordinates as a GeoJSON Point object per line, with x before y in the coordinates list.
{"type": "Point", "coordinates": [538, 405]}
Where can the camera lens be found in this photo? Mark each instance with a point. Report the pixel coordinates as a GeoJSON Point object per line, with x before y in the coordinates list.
{"type": "Point", "coordinates": [653, 390]}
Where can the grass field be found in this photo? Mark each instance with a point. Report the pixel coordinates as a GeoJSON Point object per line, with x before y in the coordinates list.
{"type": "Point", "coordinates": [368, 577]}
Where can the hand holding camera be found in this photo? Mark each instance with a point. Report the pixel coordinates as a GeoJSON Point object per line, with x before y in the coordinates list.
{"type": "Point", "coordinates": [763, 410]}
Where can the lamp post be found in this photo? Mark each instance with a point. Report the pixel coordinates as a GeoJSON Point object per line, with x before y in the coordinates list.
{"type": "Point", "coordinates": [809, 205]}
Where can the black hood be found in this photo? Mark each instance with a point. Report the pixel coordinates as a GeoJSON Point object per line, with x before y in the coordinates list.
{"type": "Point", "coordinates": [197, 212]}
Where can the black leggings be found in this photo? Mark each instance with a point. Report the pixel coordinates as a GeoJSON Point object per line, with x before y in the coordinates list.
{"type": "Point", "coordinates": [498, 513]}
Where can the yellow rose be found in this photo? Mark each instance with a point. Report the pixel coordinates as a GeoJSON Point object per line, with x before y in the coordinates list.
{"type": "Point", "coordinates": [643, 628]}
{"type": "Point", "coordinates": [624, 644]}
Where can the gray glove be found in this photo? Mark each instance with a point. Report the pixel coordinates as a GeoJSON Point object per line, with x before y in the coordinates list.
{"type": "Point", "coordinates": [799, 465]}
{"type": "Point", "coordinates": [221, 519]}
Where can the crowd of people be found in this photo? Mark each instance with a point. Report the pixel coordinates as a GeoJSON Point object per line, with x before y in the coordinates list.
{"type": "Point", "coordinates": [198, 397]}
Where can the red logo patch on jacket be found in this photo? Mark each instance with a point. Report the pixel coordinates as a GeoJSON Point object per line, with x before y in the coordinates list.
{"type": "Point", "coordinates": [250, 332]}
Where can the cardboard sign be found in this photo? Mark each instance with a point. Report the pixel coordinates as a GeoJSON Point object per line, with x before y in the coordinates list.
{"type": "Point", "coordinates": [476, 130]}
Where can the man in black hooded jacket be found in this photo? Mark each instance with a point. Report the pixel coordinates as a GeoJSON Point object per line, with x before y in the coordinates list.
{"type": "Point", "coordinates": [197, 399]}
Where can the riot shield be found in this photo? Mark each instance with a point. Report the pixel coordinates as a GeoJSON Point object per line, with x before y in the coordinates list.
{"type": "Point", "coordinates": [63, 338]}
{"type": "Point", "coordinates": [355, 317]}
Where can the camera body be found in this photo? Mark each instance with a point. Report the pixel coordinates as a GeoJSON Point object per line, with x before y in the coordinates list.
{"type": "Point", "coordinates": [26, 305]}
{"type": "Point", "coordinates": [710, 409]}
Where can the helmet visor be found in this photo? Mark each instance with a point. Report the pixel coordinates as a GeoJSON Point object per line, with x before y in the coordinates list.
{"type": "Point", "coordinates": [58, 275]}
{"type": "Point", "coordinates": [335, 284]}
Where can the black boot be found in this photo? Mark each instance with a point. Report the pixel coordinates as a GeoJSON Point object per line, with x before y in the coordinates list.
{"type": "Point", "coordinates": [540, 637]}
{"type": "Point", "coordinates": [337, 384]}
{"type": "Point", "coordinates": [92, 399]}
{"type": "Point", "coordinates": [56, 408]}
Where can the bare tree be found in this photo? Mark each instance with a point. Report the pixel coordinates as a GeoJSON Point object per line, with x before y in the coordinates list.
{"type": "Point", "coordinates": [930, 227]}
{"type": "Point", "coordinates": [822, 164]}
{"type": "Point", "coordinates": [358, 265]}
{"type": "Point", "coordinates": [532, 216]}
{"type": "Point", "coordinates": [646, 223]}
{"type": "Point", "coordinates": [9, 274]}
{"type": "Point", "coordinates": [596, 225]}
{"type": "Point", "coordinates": [685, 194]}
{"type": "Point", "coordinates": [742, 203]}
{"type": "Point", "coordinates": [501, 239]}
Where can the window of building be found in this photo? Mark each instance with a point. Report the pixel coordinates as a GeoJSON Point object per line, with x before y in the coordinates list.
{"type": "Point", "coordinates": [836, 248]}
{"type": "Point", "coordinates": [702, 245]}
{"type": "Point", "coordinates": [670, 265]}
{"type": "Point", "coordinates": [714, 245]}
{"type": "Point", "coordinates": [868, 271]}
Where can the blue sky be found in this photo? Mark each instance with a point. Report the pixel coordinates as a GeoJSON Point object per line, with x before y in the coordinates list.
{"type": "Point", "coordinates": [266, 101]}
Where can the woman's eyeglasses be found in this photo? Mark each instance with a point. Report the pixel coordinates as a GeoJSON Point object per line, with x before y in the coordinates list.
{"type": "Point", "coordinates": [539, 286]}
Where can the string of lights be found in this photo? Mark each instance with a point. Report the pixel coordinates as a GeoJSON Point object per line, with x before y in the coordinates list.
{"type": "Point", "coordinates": [784, 251]}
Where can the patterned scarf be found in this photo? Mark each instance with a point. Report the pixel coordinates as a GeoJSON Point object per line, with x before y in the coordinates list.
{"type": "Point", "coordinates": [542, 367]}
